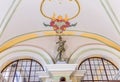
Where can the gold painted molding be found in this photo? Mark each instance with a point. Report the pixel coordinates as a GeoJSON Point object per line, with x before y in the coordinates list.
{"type": "Point", "coordinates": [102, 39]}
{"type": "Point", "coordinates": [17, 40]}
{"type": "Point", "coordinates": [53, 33]}
{"type": "Point", "coordinates": [49, 17]}
{"type": "Point", "coordinates": [14, 41]}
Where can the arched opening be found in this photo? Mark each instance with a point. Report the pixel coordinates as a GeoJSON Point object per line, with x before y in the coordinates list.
{"type": "Point", "coordinates": [98, 69]}
{"type": "Point", "coordinates": [22, 70]}
{"type": "Point", "coordinates": [62, 79]}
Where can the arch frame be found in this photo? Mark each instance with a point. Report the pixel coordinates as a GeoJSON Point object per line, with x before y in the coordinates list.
{"type": "Point", "coordinates": [95, 50]}
{"type": "Point", "coordinates": [25, 52]}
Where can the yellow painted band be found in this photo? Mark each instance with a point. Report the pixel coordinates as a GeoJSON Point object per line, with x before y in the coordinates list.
{"type": "Point", "coordinates": [53, 33]}
{"type": "Point", "coordinates": [25, 37]}
{"type": "Point", "coordinates": [102, 39]}
{"type": "Point", "coordinates": [17, 40]}
{"type": "Point", "coordinates": [69, 33]}
{"type": "Point", "coordinates": [50, 33]}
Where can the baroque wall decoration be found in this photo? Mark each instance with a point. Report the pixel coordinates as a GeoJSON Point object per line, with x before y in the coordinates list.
{"type": "Point", "coordinates": [60, 12]}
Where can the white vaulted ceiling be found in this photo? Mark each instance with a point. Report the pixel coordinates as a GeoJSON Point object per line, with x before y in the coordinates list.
{"type": "Point", "coordinates": [19, 17]}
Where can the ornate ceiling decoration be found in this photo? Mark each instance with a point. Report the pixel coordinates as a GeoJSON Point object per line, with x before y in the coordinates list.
{"type": "Point", "coordinates": [58, 14]}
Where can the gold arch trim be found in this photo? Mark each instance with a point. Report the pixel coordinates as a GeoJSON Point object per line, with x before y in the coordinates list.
{"type": "Point", "coordinates": [17, 40]}
{"type": "Point", "coordinates": [77, 12]}
{"type": "Point", "coordinates": [12, 42]}
{"type": "Point", "coordinates": [102, 39]}
{"type": "Point", "coordinates": [41, 10]}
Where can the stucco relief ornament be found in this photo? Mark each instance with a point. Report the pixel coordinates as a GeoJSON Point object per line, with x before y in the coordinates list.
{"type": "Point", "coordinates": [60, 21]}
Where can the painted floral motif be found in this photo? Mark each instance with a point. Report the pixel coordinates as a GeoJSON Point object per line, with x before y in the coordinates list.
{"type": "Point", "coordinates": [60, 20]}
{"type": "Point", "coordinates": [60, 25]}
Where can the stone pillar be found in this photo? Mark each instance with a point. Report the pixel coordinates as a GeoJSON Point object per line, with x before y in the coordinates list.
{"type": "Point", "coordinates": [77, 75]}
{"type": "Point", "coordinates": [56, 71]}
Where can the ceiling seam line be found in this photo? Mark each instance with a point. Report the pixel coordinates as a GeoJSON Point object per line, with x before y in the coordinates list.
{"type": "Point", "coordinates": [110, 15]}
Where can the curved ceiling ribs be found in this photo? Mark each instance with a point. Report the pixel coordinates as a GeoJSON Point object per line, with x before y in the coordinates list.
{"type": "Point", "coordinates": [12, 42]}
{"type": "Point", "coordinates": [111, 14]}
{"type": "Point", "coordinates": [8, 15]}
